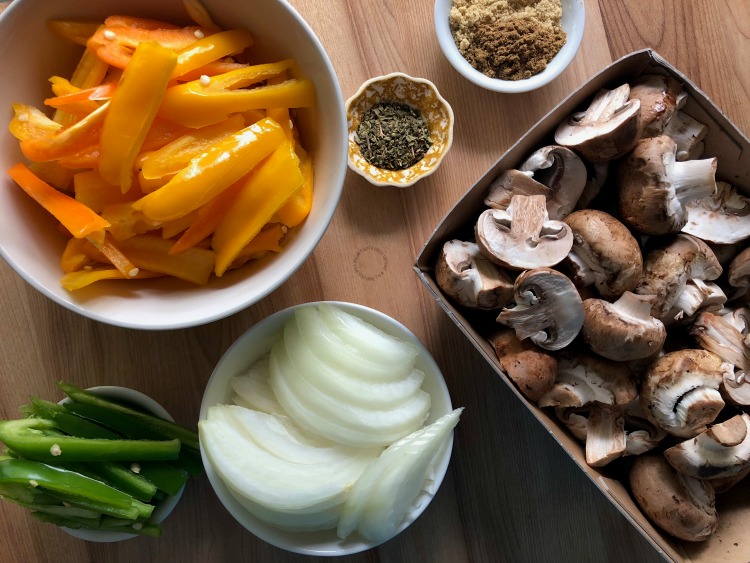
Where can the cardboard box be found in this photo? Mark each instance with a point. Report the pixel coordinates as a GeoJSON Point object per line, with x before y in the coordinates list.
{"type": "Point", "coordinates": [732, 540]}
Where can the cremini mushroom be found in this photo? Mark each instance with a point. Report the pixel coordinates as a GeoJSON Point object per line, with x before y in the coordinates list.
{"type": "Point", "coordinates": [467, 276]}
{"type": "Point", "coordinates": [680, 392]}
{"type": "Point", "coordinates": [668, 267]}
{"type": "Point", "coordinates": [654, 187]}
{"type": "Point", "coordinates": [721, 218]}
{"type": "Point", "coordinates": [604, 253]}
{"type": "Point", "coordinates": [721, 451]}
{"type": "Point", "coordinates": [623, 330]}
{"type": "Point", "coordinates": [563, 172]}
{"type": "Point", "coordinates": [659, 97]}
{"type": "Point", "coordinates": [696, 296]}
{"type": "Point", "coordinates": [680, 505]}
{"type": "Point", "coordinates": [548, 309]}
{"type": "Point", "coordinates": [739, 270]}
{"type": "Point", "coordinates": [523, 237]}
{"type": "Point", "coordinates": [513, 182]}
{"type": "Point", "coordinates": [641, 434]}
{"type": "Point", "coordinates": [607, 130]}
{"type": "Point", "coordinates": [598, 172]}
{"type": "Point", "coordinates": [688, 135]}
{"type": "Point", "coordinates": [532, 370]}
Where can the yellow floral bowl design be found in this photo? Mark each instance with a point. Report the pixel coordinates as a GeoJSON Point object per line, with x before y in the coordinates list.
{"type": "Point", "coordinates": [416, 92]}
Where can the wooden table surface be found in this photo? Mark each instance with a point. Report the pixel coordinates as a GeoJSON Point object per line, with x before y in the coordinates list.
{"type": "Point", "coordinates": [511, 493]}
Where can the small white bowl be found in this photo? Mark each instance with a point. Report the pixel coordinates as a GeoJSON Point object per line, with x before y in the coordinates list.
{"type": "Point", "coordinates": [257, 342]}
{"type": "Point", "coordinates": [165, 507]}
{"type": "Point", "coordinates": [29, 239]}
{"type": "Point", "coordinates": [573, 22]}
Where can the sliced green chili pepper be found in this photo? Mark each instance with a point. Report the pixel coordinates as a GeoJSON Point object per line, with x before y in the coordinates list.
{"type": "Point", "coordinates": [169, 429]}
{"type": "Point", "coordinates": [106, 524]}
{"type": "Point", "coordinates": [59, 509]}
{"type": "Point", "coordinates": [27, 438]}
{"type": "Point", "coordinates": [117, 476]}
{"type": "Point", "coordinates": [68, 423]}
{"type": "Point", "coordinates": [166, 477]}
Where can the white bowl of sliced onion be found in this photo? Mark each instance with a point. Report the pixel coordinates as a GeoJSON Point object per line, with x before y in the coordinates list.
{"type": "Point", "coordinates": [326, 429]}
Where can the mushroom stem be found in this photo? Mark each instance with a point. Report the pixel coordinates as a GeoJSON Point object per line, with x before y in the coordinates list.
{"type": "Point", "coordinates": [605, 104]}
{"type": "Point", "coordinates": [634, 307]}
{"type": "Point", "coordinates": [699, 406]}
{"type": "Point", "coordinates": [693, 179]}
{"type": "Point", "coordinates": [605, 435]}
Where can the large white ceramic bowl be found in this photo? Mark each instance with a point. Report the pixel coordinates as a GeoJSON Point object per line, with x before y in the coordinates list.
{"type": "Point", "coordinates": [573, 21]}
{"type": "Point", "coordinates": [165, 508]}
{"type": "Point", "coordinates": [29, 241]}
{"type": "Point", "coordinates": [254, 344]}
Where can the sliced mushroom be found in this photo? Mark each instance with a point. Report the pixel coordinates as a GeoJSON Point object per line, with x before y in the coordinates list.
{"type": "Point", "coordinates": [523, 237]}
{"type": "Point", "coordinates": [604, 253]}
{"type": "Point", "coordinates": [623, 330]}
{"type": "Point", "coordinates": [739, 270]}
{"type": "Point", "coordinates": [680, 505]}
{"type": "Point", "coordinates": [531, 369]}
{"type": "Point", "coordinates": [654, 187]}
{"type": "Point", "coordinates": [576, 419]}
{"type": "Point", "coordinates": [688, 135]}
{"type": "Point", "coordinates": [668, 267]}
{"type": "Point", "coordinates": [696, 296]}
{"type": "Point", "coordinates": [659, 96]}
{"type": "Point", "coordinates": [642, 435]}
{"type": "Point", "coordinates": [548, 309]}
{"type": "Point", "coordinates": [513, 182]}
{"type": "Point", "coordinates": [605, 435]}
{"type": "Point", "coordinates": [721, 451]}
{"type": "Point", "coordinates": [607, 130]}
{"type": "Point", "coordinates": [722, 218]}
{"type": "Point", "coordinates": [680, 392]}
{"type": "Point", "coordinates": [563, 172]}
{"type": "Point", "coordinates": [467, 276]}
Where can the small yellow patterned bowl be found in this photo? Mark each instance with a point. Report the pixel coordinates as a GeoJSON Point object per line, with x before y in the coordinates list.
{"type": "Point", "coordinates": [416, 92]}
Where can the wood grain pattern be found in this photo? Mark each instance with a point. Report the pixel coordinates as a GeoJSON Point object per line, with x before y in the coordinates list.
{"type": "Point", "coordinates": [511, 493]}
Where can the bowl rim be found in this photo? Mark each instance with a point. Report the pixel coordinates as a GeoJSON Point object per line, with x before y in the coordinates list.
{"type": "Point", "coordinates": [448, 143]}
{"type": "Point", "coordinates": [461, 65]}
{"type": "Point", "coordinates": [164, 508]}
{"type": "Point", "coordinates": [240, 514]}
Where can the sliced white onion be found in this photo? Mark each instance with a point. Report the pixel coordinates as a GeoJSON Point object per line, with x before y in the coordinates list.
{"type": "Point", "coordinates": [387, 489]}
{"type": "Point", "coordinates": [253, 390]}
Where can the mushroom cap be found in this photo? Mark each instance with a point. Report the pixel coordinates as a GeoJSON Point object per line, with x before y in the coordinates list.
{"type": "Point", "coordinates": [513, 182]}
{"type": "Point", "coordinates": [723, 218]}
{"type": "Point", "coordinates": [721, 451]}
{"type": "Point", "coordinates": [739, 269]}
{"type": "Point", "coordinates": [722, 484]}
{"type": "Point", "coordinates": [563, 172]}
{"type": "Point", "coordinates": [522, 237]}
{"type": "Point", "coordinates": [530, 368]}
{"type": "Point", "coordinates": [467, 276]}
{"type": "Point", "coordinates": [585, 379]}
{"type": "Point", "coordinates": [658, 95]}
{"type": "Point", "coordinates": [548, 309]}
{"type": "Point", "coordinates": [624, 330]}
{"type": "Point", "coordinates": [680, 393]}
{"type": "Point", "coordinates": [606, 246]}
{"type": "Point", "coordinates": [607, 130]}
{"type": "Point", "coordinates": [667, 268]}
{"type": "Point", "coordinates": [680, 505]}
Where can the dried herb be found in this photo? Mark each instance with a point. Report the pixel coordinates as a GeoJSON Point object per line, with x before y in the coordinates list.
{"type": "Point", "coordinates": [393, 136]}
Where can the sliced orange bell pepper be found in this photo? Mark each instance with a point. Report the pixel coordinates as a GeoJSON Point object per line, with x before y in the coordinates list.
{"type": "Point", "coordinates": [266, 190]}
{"type": "Point", "coordinates": [151, 253]}
{"type": "Point", "coordinates": [95, 193]}
{"type": "Point", "coordinates": [208, 218]}
{"type": "Point", "coordinates": [133, 109]}
{"type": "Point", "coordinates": [212, 48]}
{"type": "Point", "coordinates": [296, 210]}
{"type": "Point", "coordinates": [75, 31]}
{"type": "Point", "coordinates": [74, 216]}
{"type": "Point", "coordinates": [86, 158]}
{"type": "Point", "coordinates": [171, 229]}
{"type": "Point", "coordinates": [212, 172]}
{"type": "Point", "coordinates": [124, 222]}
{"type": "Point", "coordinates": [198, 13]}
{"type": "Point", "coordinates": [268, 240]}
{"type": "Point", "coordinates": [114, 255]}
{"type": "Point", "coordinates": [28, 123]}
{"type": "Point", "coordinates": [82, 278]}
{"type": "Point", "coordinates": [67, 141]}
{"type": "Point", "coordinates": [211, 69]}
{"type": "Point", "coordinates": [73, 257]}
{"type": "Point", "coordinates": [174, 156]}
{"type": "Point", "coordinates": [78, 95]}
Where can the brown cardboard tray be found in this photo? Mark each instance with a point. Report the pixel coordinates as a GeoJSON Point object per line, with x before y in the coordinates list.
{"type": "Point", "coordinates": [732, 540]}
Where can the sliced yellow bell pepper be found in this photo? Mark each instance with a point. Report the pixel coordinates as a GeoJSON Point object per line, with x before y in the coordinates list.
{"type": "Point", "coordinates": [124, 222]}
{"type": "Point", "coordinates": [112, 254]}
{"type": "Point", "coordinates": [151, 252]}
{"type": "Point", "coordinates": [82, 278]}
{"type": "Point", "coordinates": [174, 156]}
{"type": "Point", "coordinates": [28, 123]}
{"type": "Point", "coordinates": [73, 257]}
{"type": "Point", "coordinates": [200, 15]}
{"type": "Point", "coordinates": [133, 109]}
{"type": "Point", "coordinates": [148, 186]}
{"type": "Point", "coordinates": [212, 48]}
{"type": "Point", "coordinates": [54, 174]}
{"type": "Point", "coordinates": [74, 216]}
{"type": "Point", "coordinates": [95, 193]}
{"type": "Point", "coordinates": [268, 240]}
{"type": "Point", "coordinates": [266, 190]}
{"type": "Point", "coordinates": [75, 31]}
{"type": "Point", "coordinates": [212, 172]}
{"type": "Point", "coordinates": [298, 207]}
{"type": "Point", "coordinates": [71, 100]}
{"type": "Point", "coordinates": [171, 229]}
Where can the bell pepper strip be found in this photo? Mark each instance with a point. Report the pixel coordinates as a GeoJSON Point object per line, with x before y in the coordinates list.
{"type": "Point", "coordinates": [95, 193]}
{"type": "Point", "coordinates": [248, 75]}
{"type": "Point", "coordinates": [60, 481]}
{"type": "Point", "coordinates": [266, 241]}
{"type": "Point", "coordinates": [66, 422]}
{"type": "Point", "coordinates": [189, 438]}
{"type": "Point", "coordinates": [74, 216]}
{"type": "Point", "coordinates": [298, 207]}
{"type": "Point", "coordinates": [115, 256]}
{"type": "Point", "coordinates": [58, 509]}
{"type": "Point", "coordinates": [176, 155]}
{"type": "Point", "coordinates": [124, 222]}
{"type": "Point", "coordinates": [89, 72]}
{"type": "Point", "coordinates": [211, 69]}
{"type": "Point", "coordinates": [23, 437]}
{"type": "Point", "coordinates": [281, 116]}
{"type": "Point", "coordinates": [80, 96]}
{"type": "Point", "coordinates": [118, 476]}
{"type": "Point", "coordinates": [106, 524]}
{"type": "Point", "coordinates": [148, 186]}
{"type": "Point", "coordinates": [78, 107]}
{"type": "Point", "coordinates": [75, 31]}
{"type": "Point", "coordinates": [268, 188]}
{"type": "Point", "coordinates": [150, 252]}
{"type": "Point", "coordinates": [208, 218]}
{"type": "Point", "coordinates": [212, 48]}
{"type": "Point", "coordinates": [73, 281]}
{"type": "Point", "coordinates": [166, 477]}
{"type": "Point", "coordinates": [198, 13]}
{"type": "Point", "coordinates": [67, 141]}
{"type": "Point", "coordinates": [73, 257]}
{"type": "Point", "coordinates": [171, 229]}
{"type": "Point", "coordinates": [161, 133]}
{"type": "Point", "coordinates": [212, 172]}
{"type": "Point", "coordinates": [133, 109]}
{"type": "Point", "coordinates": [29, 123]}
{"type": "Point", "coordinates": [54, 174]}
{"type": "Point", "coordinates": [253, 115]}
{"type": "Point", "coordinates": [84, 159]}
